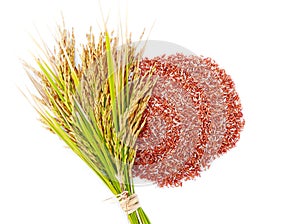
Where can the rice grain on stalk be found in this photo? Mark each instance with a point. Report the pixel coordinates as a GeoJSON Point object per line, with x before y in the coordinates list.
{"type": "Point", "coordinates": [94, 108]}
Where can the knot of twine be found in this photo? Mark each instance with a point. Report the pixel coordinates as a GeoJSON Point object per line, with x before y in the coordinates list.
{"type": "Point", "coordinates": [130, 203]}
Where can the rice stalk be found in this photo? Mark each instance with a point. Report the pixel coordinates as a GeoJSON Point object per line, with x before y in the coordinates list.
{"type": "Point", "coordinates": [95, 104]}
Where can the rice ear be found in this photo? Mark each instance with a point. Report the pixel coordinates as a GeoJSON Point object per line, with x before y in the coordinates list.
{"type": "Point", "coordinates": [85, 105]}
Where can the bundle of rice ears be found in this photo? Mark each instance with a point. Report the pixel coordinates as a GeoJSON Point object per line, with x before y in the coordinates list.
{"type": "Point", "coordinates": [93, 98]}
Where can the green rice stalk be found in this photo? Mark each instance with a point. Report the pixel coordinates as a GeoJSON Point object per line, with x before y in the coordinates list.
{"type": "Point", "coordinates": [93, 105]}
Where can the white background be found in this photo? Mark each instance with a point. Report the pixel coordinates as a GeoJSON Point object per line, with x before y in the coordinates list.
{"type": "Point", "coordinates": [257, 42]}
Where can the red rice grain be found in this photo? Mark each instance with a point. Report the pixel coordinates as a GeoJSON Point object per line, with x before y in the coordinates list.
{"type": "Point", "coordinates": [194, 115]}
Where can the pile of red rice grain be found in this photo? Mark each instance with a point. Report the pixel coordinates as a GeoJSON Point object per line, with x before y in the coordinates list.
{"type": "Point", "coordinates": [194, 115]}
